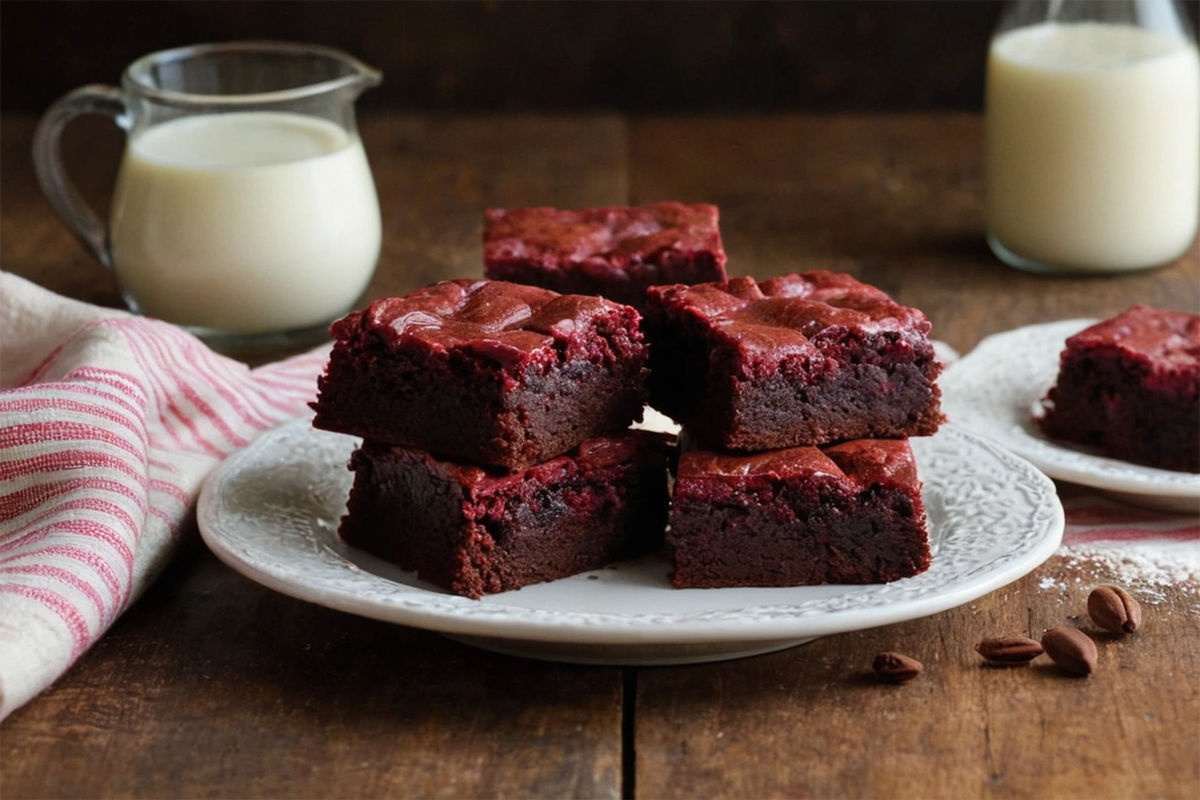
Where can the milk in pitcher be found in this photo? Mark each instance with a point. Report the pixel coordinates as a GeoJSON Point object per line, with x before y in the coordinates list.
{"type": "Point", "coordinates": [245, 222]}
{"type": "Point", "coordinates": [1093, 146]}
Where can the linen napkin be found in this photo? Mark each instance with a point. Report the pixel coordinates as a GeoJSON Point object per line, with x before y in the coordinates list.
{"type": "Point", "coordinates": [109, 423]}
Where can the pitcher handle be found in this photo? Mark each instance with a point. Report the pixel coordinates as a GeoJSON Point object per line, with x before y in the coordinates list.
{"type": "Point", "coordinates": [52, 173]}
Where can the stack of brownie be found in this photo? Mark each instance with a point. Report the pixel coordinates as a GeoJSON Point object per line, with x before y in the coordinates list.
{"type": "Point", "coordinates": [496, 451]}
{"type": "Point", "coordinates": [796, 397]}
{"type": "Point", "coordinates": [495, 413]}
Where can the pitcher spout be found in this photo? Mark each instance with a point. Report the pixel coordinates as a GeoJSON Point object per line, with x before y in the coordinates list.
{"type": "Point", "coordinates": [365, 76]}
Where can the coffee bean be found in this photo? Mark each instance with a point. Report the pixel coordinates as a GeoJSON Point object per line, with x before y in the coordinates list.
{"type": "Point", "coordinates": [1114, 609]}
{"type": "Point", "coordinates": [1071, 650]}
{"type": "Point", "coordinates": [1009, 650]}
{"type": "Point", "coordinates": [896, 667]}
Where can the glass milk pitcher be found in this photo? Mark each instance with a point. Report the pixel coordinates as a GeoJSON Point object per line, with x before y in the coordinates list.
{"type": "Point", "coordinates": [244, 207]}
{"type": "Point", "coordinates": [1093, 135]}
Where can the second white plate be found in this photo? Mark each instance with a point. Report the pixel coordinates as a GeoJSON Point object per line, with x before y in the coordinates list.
{"type": "Point", "coordinates": [271, 512]}
{"type": "Point", "coordinates": [995, 390]}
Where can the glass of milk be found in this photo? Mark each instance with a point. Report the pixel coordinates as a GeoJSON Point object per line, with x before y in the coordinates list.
{"type": "Point", "coordinates": [244, 208]}
{"type": "Point", "coordinates": [1092, 136]}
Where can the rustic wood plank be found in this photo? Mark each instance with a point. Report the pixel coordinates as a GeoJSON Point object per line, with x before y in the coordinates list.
{"type": "Point", "coordinates": [212, 686]}
{"type": "Point", "coordinates": [192, 694]}
{"type": "Point", "coordinates": [34, 242]}
{"type": "Point", "coordinates": [813, 722]}
{"type": "Point", "coordinates": [434, 175]}
{"type": "Point", "coordinates": [893, 199]}
{"type": "Point", "coordinates": [896, 200]}
{"type": "Point", "coordinates": [513, 56]}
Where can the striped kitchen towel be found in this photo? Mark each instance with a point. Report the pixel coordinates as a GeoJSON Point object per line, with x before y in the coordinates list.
{"type": "Point", "coordinates": [109, 423]}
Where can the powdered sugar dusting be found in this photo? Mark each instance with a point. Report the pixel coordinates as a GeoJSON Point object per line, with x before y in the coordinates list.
{"type": "Point", "coordinates": [1148, 553]}
{"type": "Point", "coordinates": [1148, 568]}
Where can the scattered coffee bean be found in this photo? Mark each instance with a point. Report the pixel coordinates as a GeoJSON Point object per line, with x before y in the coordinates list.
{"type": "Point", "coordinates": [1009, 650]}
{"type": "Point", "coordinates": [1114, 609]}
{"type": "Point", "coordinates": [896, 667]}
{"type": "Point", "coordinates": [1071, 649]}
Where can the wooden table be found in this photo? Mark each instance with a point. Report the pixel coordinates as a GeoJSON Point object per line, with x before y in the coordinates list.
{"type": "Point", "coordinates": [212, 686]}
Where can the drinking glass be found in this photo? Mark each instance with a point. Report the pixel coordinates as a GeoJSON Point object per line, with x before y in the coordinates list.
{"type": "Point", "coordinates": [1092, 136]}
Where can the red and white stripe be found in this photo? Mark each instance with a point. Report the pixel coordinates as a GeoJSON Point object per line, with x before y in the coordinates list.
{"type": "Point", "coordinates": [1092, 519]}
{"type": "Point", "coordinates": [104, 442]}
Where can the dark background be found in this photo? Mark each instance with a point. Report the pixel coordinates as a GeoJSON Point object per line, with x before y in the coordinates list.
{"type": "Point", "coordinates": [509, 55]}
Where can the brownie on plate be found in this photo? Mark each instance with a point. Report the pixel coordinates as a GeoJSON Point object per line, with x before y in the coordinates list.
{"type": "Point", "coordinates": [485, 371]}
{"type": "Point", "coordinates": [615, 251]}
{"type": "Point", "coordinates": [1130, 386]}
{"type": "Point", "coordinates": [850, 513]}
{"type": "Point", "coordinates": [475, 531]}
{"type": "Point", "coordinates": [805, 359]}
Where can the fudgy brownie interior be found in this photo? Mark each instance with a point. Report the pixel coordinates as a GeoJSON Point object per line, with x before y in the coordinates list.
{"type": "Point", "coordinates": [851, 513]}
{"type": "Point", "coordinates": [485, 371]}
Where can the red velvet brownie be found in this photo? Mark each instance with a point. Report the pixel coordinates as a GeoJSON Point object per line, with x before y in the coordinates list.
{"type": "Point", "coordinates": [474, 531]}
{"type": "Point", "coordinates": [805, 359]}
{"type": "Point", "coordinates": [485, 371]}
{"type": "Point", "coordinates": [850, 513]}
{"type": "Point", "coordinates": [1130, 386]}
{"type": "Point", "coordinates": [615, 251]}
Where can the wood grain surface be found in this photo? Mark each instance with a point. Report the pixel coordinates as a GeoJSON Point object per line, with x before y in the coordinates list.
{"type": "Point", "coordinates": [212, 686]}
{"type": "Point", "coordinates": [473, 55]}
{"type": "Point", "coordinates": [481, 55]}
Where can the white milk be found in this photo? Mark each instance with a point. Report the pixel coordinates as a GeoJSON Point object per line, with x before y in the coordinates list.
{"type": "Point", "coordinates": [1093, 145]}
{"type": "Point", "coordinates": [245, 222]}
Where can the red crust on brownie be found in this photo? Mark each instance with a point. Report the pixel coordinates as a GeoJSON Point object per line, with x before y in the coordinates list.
{"type": "Point", "coordinates": [851, 513]}
{"type": "Point", "coordinates": [1130, 386]}
{"type": "Point", "coordinates": [485, 371]}
{"type": "Point", "coordinates": [807, 359]}
{"type": "Point", "coordinates": [475, 531]}
{"type": "Point", "coordinates": [614, 251]}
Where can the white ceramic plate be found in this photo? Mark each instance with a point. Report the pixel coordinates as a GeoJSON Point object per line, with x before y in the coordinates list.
{"type": "Point", "coordinates": [271, 512]}
{"type": "Point", "coordinates": [995, 390]}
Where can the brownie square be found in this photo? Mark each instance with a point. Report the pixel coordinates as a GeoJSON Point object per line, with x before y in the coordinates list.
{"type": "Point", "coordinates": [475, 531]}
{"type": "Point", "coordinates": [805, 359]}
{"type": "Point", "coordinates": [489, 372]}
{"type": "Point", "coordinates": [850, 513]}
{"type": "Point", "coordinates": [1130, 386]}
{"type": "Point", "coordinates": [616, 251]}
